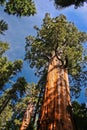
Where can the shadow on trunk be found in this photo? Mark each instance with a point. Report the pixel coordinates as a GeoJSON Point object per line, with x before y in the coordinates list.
{"type": "Point", "coordinates": [56, 112]}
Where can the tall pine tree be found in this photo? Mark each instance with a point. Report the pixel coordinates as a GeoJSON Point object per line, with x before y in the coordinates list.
{"type": "Point", "coordinates": [10, 90]}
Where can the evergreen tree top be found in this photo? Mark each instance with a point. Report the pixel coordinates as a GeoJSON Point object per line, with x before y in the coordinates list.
{"type": "Point", "coordinates": [57, 36]}
{"type": "Point", "coordinates": [66, 3]}
{"type": "Point", "coordinates": [19, 7]}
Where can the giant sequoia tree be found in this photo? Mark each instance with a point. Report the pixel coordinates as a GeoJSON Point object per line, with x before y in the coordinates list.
{"type": "Point", "coordinates": [57, 49]}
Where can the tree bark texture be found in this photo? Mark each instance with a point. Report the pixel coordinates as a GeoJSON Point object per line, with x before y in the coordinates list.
{"type": "Point", "coordinates": [27, 117]}
{"type": "Point", "coordinates": [56, 106]}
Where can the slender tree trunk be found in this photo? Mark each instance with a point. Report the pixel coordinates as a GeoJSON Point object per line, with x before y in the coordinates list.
{"type": "Point", "coordinates": [27, 117]}
{"type": "Point", "coordinates": [56, 107]}
{"type": "Point", "coordinates": [4, 104]}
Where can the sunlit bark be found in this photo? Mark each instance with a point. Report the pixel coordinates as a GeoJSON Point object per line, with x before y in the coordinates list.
{"type": "Point", "coordinates": [56, 107]}
{"type": "Point", "coordinates": [27, 117]}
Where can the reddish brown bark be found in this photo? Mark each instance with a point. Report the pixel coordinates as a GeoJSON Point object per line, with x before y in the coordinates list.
{"type": "Point", "coordinates": [56, 110]}
{"type": "Point", "coordinates": [27, 117]}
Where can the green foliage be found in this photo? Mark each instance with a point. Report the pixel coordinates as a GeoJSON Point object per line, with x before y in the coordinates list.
{"type": "Point", "coordinates": [8, 69]}
{"type": "Point", "coordinates": [11, 87]}
{"type": "Point", "coordinates": [5, 117]}
{"type": "Point", "coordinates": [66, 3]}
{"type": "Point", "coordinates": [3, 47]}
{"type": "Point", "coordinates": [3, 26]}
{"type": "Point", "coordinates": [2, 2]}
{"type": "Point", "coordinates": [17, 110]}
{"type": "Point", "coordinates": [13, 93]}
{"type": "Point", "coordinates": [19, 7]}
{"type": "Point", "coordinates": [57, 37]}
{"type": "Point", "coordinates": [8, 100]}
{"type": "Point", "coordinates": [20, 86]}
{"type": "Point", "coordinates": [80, 115]}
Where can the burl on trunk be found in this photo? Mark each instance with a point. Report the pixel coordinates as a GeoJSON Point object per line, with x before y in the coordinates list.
{"type": "Point", "coordinates": [56, 107]}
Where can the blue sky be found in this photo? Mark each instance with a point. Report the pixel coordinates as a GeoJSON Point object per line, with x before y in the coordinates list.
{"type": "Point", "coordinates": [19, 28]}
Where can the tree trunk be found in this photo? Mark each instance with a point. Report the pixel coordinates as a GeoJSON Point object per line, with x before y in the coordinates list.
{"type": "Point", "coordinates": [27, 117]}
{"type": "Point", "coordinates": [56, 107]}
{"type": "Point", "coordinates": [4, 104]}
